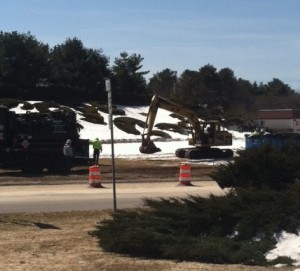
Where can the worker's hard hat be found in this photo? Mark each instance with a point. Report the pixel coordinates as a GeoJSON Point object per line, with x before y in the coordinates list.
{"type": "Point", "coordinates": [69, 141]}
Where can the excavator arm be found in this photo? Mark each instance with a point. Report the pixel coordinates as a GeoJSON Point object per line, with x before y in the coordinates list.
{"type": "Point", "coordinates": [158, 102]}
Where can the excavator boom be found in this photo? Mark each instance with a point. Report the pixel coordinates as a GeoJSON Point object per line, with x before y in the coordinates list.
{"type": "Point", "coordinates": [157, 102]}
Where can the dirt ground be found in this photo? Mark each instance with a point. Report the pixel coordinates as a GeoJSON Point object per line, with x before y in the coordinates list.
{"type": "Point", "coordinates": [125, 171]}
{"type": "Point", "coordinates": [61, 241]}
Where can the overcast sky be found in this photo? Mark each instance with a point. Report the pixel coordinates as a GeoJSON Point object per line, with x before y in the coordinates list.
{"type": "Point", "coordinates": [258, 39]}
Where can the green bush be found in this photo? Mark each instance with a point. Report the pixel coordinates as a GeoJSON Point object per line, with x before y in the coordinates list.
{"type": "Point", "coordinates": [160, 134]}
{"type": "Point", "coordinates": [90, 114]}
{"type": "Point", "coordinates": [43, 107]}
{"type": "Point", "coordinates": [128, 124]}
{"type": "Point", "coordinates": [264, 167]}
{"type": "Point", "coordinates": [171, 127]}
{"type": "Point", "coordinates": [235, 228]}
{"type": "Point", "coordinates": [174, 115]}
{"type": "Point", "coordinates": [10, 103]}
{"type": "Point", "coordinates": [129, 120]}
{"type": "Point", "coordinates": [118, 111]}
{"type": "Point", "coordinates": [27, 106]}
{"type": "Point", "coordinates": [93, 118]}
{"type": "Point", "coordinates": [267, 211]}
{"type": "Point", "coordinates": [127, 128]}
{"type": "Point", "coordinates": [66, 109]}
{"type": "Point", "coordinates": [104, 108]}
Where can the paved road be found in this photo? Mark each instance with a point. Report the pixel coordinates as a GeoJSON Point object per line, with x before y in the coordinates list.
{"type": "Point", "coordinates": [52, 198]}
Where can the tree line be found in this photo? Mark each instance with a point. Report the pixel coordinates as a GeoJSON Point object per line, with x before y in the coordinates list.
{"type": "Point", "coordinates": [71, 72]}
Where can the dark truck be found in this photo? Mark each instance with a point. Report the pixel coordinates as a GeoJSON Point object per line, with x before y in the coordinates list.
{"type": "Point", "coordinates": [34, 142]}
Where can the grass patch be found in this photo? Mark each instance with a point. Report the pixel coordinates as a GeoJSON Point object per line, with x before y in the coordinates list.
{"type": "Point", "coordinates": [176, 116]}
{"type": "Point", "coordinates": [9, 103]}
{"type": "Point", "coordinates": [43, 107]}
{"type": "Point", "coordinates": [104, 108]}
{"type": "Point", "coordinates": [128, 125]}
{"type": "Point", "coordinates": [91, 114]}
{"type": "Point", "coordinates": [172, 128]}
{"type": "Point", "coordinates": [27, 106]}
{"type": "Point", "coordinates": [160, 134]}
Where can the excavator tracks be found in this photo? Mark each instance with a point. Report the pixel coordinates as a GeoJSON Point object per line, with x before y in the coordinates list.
{"type": "Point", "coordinates": [204, 153]}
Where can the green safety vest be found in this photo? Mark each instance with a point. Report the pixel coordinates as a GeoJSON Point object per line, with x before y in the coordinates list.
{"type": "Point", "coordinates": [97, 145]}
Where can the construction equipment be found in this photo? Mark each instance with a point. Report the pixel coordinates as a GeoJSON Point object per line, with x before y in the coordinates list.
{"type": "Point", "coordinates": [33, 142]}
{"type": "Point", "coordinates": [204, 134]}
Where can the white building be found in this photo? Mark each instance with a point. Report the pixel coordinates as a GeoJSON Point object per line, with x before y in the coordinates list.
{"type": "Point", "coordinates": [280, 120]}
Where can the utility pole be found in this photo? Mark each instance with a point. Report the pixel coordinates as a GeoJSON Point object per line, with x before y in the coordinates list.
{"type": "Point", "coordinates": [111, 127]}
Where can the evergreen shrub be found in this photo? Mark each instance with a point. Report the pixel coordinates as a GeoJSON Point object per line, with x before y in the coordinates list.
{"type": "Point", "coordinates": [27, 106]}
{"type": "Point", "coordinates": [127, 124]}
{"type": "Point", "coordinates": [43, 107]}
{"type": "Point", "coordinates": [263, 167]}
{"type": "Point", "coordinates": [90, 114]}
{"type": "Point", "coordinates": [171, 127]}
{"type": "Point", "coordinates": [160, 134]}
{"type": "Point", "coordinates": [104, 108]}
{"type": "Point", "coordinates": [127, 128]}
{"type": "Point", "coordinates": [210, 229]}
{"type": "Point", "coordinates": [237, 228]}
{"type": "Point", "coordinates": [9, 103]}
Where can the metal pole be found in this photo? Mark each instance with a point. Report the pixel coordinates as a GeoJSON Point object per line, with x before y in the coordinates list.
{"type": "Point", "coordinates": [109, 100]}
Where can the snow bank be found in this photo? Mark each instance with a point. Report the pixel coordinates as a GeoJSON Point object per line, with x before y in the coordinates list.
{"type": "Point", "coordinates": [288, 245]}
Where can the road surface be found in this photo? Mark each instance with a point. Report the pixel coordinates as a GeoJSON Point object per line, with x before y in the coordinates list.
{"type": "Point", "coordinates": [82, 197]}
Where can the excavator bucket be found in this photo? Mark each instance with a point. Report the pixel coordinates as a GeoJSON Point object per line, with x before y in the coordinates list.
{"type": "Point", "coordinates": [148, 147]}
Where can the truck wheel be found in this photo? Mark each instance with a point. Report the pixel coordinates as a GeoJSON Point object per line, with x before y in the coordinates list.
{"type": "Point", "coordinates": [228, 153]}
{"type": "Point", "coordinates": [32, 164]}
{"type": "Point", "coordinates": [59, 165]}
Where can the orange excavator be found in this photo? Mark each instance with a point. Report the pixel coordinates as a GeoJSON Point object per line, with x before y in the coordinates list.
{"type": "Point", "coordinates": [205, 135]}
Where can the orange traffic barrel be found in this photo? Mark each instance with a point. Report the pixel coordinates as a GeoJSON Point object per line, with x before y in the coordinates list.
{"type": "Point", "coordinates": [95, 176]}
{"type": "Point", "coordinates": [185, 174]}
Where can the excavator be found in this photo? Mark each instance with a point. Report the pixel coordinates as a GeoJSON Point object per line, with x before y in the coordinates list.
{"type": "Point", "coordinates": [204, 134]}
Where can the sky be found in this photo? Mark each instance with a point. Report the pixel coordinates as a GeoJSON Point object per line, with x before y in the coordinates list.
{"type": "Point", "coordinates": [258, 39]}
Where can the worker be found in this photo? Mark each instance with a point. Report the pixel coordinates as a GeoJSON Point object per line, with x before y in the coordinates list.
{"type": "Point", "coordinates": [97, 146]}
{"type": "Point", "coordinates": [256, 132]}
{"type": "Point", "coordinates": [68, 153]}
